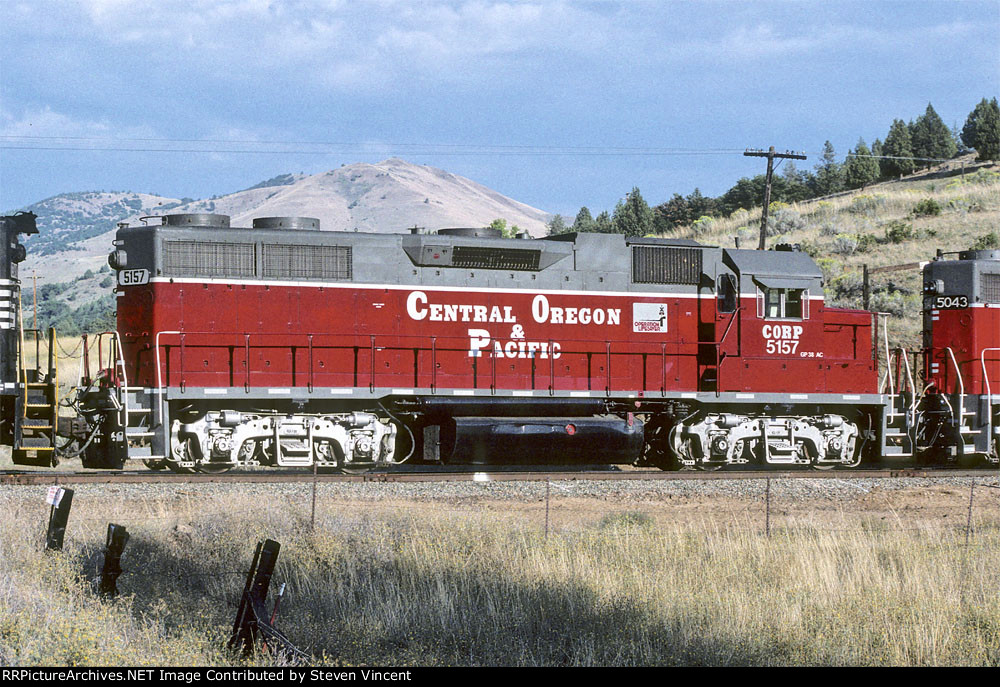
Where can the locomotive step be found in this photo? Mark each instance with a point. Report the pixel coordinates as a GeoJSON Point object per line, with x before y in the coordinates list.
{"type": "Point", "coordinates": [28, 424]}
{"type": "Point", "coordinates": [40, 443]}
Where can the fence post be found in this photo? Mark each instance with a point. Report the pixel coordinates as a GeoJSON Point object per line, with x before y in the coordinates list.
{"type": "Point", "coordinates": [245, 629]}
{"type": "Point", "coordinates": [548, 488]}
{"type": "Point", "coordinates": [61, 501]}
{"type": "Point", "coordinates": [767, 508]}
{"type": "Point", "coordinates": [968, 520]}
{"type": "Point", "coordinates": [113, 547]}
{"type": "Point", "coordinates": [312, 519]}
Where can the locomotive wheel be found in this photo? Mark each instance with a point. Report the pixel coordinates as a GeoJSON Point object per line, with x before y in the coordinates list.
{"type": "Point", "coordinates": [657, 451]}
{"type": "Point", "coordinates": [354, 471]}
{"type": "Point", "coordinates": [155, 464]}
{"type": "Point", "coordinates": [710, 467]}
{"type": "Point", "coordinates": [188, 453]}
{"type": "Point", "coordinates": [213, 468]}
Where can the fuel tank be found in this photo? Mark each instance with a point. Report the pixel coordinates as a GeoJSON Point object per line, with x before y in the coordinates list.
{"type": "Point", "coordinates": [606, 439]}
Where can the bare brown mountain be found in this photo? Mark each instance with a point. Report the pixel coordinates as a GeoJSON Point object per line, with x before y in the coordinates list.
{"type": "Point", "coordinates": [390, 196]}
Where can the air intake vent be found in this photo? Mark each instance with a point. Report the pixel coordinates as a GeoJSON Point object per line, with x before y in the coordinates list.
{"type": "Point", "coordinates": [495, 258]}
{"type": "Point", "coordinates": [665, 265]}
{"type": "Point", "coordinates": [208, 259]}
{"type": "Point", "coordinates": [989, 286]}
{"type": "Point", "coordinates": [196, 219]}
{"type": "Point", "coordinates": [307, 262]}
{"type": "Point", "coordinates": [286, 223]}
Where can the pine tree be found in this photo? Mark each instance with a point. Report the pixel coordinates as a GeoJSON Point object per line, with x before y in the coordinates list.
{"type": "Point", "coordinates": [584, 221]}
{"type": "Point", "coordinates": [877, 156]}
{"type": "Point", "coordinates": [931, 138]}
{"type": "Point", "coordinates": [860, 169]}
{"type": "Point", "coordinates": [829, 174]}
{"type": "Point", "coordinates": [897, 147]}
{"type": "Point", "coordinates": [557, 225]}
{"type": "Point", "coordinates": [982, 130]}
{"type": "Point", "coordinates": [602, 223]}
{"type": "Point", "coordinates": [672, 214]}
{"type": "Point", "coordinates": [798, 183]}
{"type": "Point", "coordinates": [633, 216]}
{"type": "Point", "coordinates": [699, 205]}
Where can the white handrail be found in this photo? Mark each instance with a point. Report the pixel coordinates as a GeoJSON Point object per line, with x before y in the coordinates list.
{"type": "Point", "coordinates": [888, 367]}
{"type": "Point", "coordinates": [121, 363]}
{"type": "Point", "coordinates": [961, 385]}
{"type": "Point", "coordinates": [913, 388]}
{"type": "Point", "coordinates": [989, 397]}
{"type": "Point", "coordinates": [159, 377]}
{"type": "Point", "coordinates": [986, 377]}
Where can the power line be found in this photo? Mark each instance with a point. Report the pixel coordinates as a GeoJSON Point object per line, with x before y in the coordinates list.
{"type": "Point", "coordinates": [423, 144]}
{"type": "Point", "coordinates": [279, 147]}
{"type": "Point", "coordinates": [383, 150]}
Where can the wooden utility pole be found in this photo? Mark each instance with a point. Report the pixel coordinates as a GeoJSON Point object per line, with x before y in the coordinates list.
{"type": "Point", "coordinates": [770, 155]}
{"type": "Point", "coordinates": [866, 273]}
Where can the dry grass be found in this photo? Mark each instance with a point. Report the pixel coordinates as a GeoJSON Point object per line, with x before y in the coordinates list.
{"type": "Point", "coordinates": [397, 583]}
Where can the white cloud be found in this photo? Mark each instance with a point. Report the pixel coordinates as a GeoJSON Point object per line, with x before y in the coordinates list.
{"type": "Point", "coordinates": [45, 122]}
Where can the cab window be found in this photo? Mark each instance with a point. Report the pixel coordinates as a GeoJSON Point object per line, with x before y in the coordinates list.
{"type": "Point", "coordinates": [782, 304]}
{"type": "Point", "coordinates": [727, 293]}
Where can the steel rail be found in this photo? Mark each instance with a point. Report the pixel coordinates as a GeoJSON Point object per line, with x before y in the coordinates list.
{"type": "Point", "coordinates": [50, 478]}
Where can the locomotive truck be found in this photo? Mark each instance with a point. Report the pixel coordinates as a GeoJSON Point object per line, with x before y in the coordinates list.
{"type": "Point", "coordinates": [280, 344]}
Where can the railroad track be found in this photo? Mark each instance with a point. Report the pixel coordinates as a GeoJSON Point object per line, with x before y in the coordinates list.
{"type": "Point", "coordinates": [135, 477]}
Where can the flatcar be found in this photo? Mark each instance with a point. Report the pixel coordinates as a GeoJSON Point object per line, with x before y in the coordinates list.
{"type": "Point", "coordinates": [280, 344]}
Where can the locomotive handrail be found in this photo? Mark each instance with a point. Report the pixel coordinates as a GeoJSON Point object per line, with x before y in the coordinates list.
{"type": "Point", "coordinates": [159, 377]}
{"type": "Point", "coordinates": [432, 345]}
{"type": "Point", "coordinates": [913, 388]}
{"type": "Point", "coordinates": [121, 362]}
{"type": "Point", "coordinates": [888, 365]}
{"type": "Point", "coordinates": [989, 395]}
{"type": "Point", "coordinates": [719, 356]}
{"type": "Point", "coordinates": [986, 376]}
{"type": "Point", "coordinates": [961, 385]}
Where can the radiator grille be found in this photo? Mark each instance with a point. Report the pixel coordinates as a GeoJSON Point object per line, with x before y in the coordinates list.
{"type": "Point", "coordinates": [989, 285]}
{"type": "Point", "coordinates": [665, 265]}
{"type": "Point", "coordinates": [495, 258]}
{"type": "Point", "coordinates": [307, 262]}
{"type": "Point", "coordinates": [208, 259]}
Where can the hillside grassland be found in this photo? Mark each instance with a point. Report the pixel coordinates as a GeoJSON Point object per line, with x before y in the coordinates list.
{"type": "Point", "coordinates": [892, 223]}
{"type": "Point", "coordinates": [477, 582]}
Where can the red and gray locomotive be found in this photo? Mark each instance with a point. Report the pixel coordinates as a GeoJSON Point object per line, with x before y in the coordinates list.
{"type": "Point", "coordinates": [283, 345]}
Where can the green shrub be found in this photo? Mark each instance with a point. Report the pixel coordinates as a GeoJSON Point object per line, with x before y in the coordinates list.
{"type": "Point", "coordinates": [829, 266]}
{"type": "Point", "coordinates": [981, 177]}
{"type": "Point", "coordinates": [963, 204]}
{"type": "Point", "coordinates": [988, 241]}
{"type": "Point", "coordinates": [701, 224]}
{"type": "Point", "coordinates": [867, 205]}
{"type": "Point", "coordinates": [845, 244]}
{"type": "Point", "coordinates": [928, 207]}
{"type": "Point", "coordinates": [784, 221]}
{"type": "Point", "coordinates": [810, 249]}
{"type": "Point", "coordinates": [866, 242]}
{"type": "Point", "coordinates": [898, 231]}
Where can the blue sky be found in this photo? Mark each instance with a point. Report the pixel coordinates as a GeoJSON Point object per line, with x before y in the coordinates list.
{"type": "Point", "coordinates": [556, 104]}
